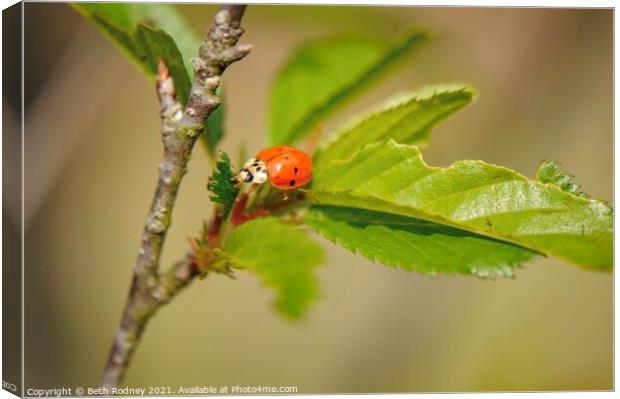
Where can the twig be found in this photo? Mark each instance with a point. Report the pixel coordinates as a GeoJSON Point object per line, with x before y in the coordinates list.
{"type": "Point", "coordinates": [180, 128]}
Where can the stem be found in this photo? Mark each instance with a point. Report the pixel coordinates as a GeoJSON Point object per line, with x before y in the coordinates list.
{"type": "Point", "coordinates": [180, 128]}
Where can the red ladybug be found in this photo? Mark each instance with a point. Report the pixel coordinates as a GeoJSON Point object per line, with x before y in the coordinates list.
{"type": "Point", "coordinates": [285, 167]}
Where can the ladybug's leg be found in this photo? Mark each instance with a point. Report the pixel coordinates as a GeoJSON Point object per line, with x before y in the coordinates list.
{"type": "Point", "coordinates": [249, 191]}
{"type": "Point", "coordinates": [253, 188]}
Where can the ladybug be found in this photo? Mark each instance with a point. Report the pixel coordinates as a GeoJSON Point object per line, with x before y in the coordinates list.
{"type": "Point", "coordinates": [285, 167]}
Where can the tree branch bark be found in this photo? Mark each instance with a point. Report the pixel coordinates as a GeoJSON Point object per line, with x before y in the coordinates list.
{"type": "Point", "coordinates": [150, 290]}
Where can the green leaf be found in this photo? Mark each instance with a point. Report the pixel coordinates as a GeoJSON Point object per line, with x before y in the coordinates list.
{"type": "Point", "coordinates": [548, 172]}
{"type": "Point", "coordinates": [221, 186]}
{"type": "Point", "coordinates": [474, 196]}
{"type": "Point", "coordinates": [124, 17]}
{"type": "Point", "coordinates": [131, 27]}
{"type": "Point", "coordinates": [282, 256]}
{"type": "Point", "coordinates": [407, 119]}
{"type": "Point", "coordinates": [414, 244]}
{"type": "Point", "coordinates": [323, 75]}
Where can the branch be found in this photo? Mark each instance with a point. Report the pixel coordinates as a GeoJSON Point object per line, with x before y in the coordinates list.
{"type": "Point", "coordinates": [180, 128]}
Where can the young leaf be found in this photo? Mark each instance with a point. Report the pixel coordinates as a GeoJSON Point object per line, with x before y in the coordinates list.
{"type": "Point", "coordinates": [118, 20]}
{"type": "Point", "coordinates": [221, 186]}
{"type": "Point", "coordinates": [323, 75]}
{"type": "Point", "coordinates": [415, 244]}
{"type": "Point", "coordinates": [407, 119]}
{"type": "Point", "coordinates": [282, 256]}
{"type": "Point", "coordinates": [144, 45]}
{"type": "Point", "coordinates": [475, 196]}
{"type": "Point", "coordinates": [548, 172]}
{"type": "Point", "coordinates": [128, 25]}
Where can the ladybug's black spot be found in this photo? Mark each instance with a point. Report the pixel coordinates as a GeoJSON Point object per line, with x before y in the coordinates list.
{"type": "Point", "coordinates": [291, 183]}
{"type": "Point", "coordinates": [286, 157]}
{"type": "Point", "coordinates": [296, 170]}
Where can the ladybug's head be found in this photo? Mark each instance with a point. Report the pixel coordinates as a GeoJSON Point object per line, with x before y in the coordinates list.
{"type": "Point", "coordinates": [254, 171]}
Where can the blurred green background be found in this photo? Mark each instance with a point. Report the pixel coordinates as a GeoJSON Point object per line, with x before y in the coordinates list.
{"type": "Point", "coordinates": [92, 150]}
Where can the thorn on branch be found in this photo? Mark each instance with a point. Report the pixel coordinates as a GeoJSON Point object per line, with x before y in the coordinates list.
{"type": "Point", "coordinates": [235, 53]}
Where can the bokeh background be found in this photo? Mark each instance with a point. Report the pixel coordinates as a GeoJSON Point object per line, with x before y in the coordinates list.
{"type": "Point", "coordinates": [92, 150]}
